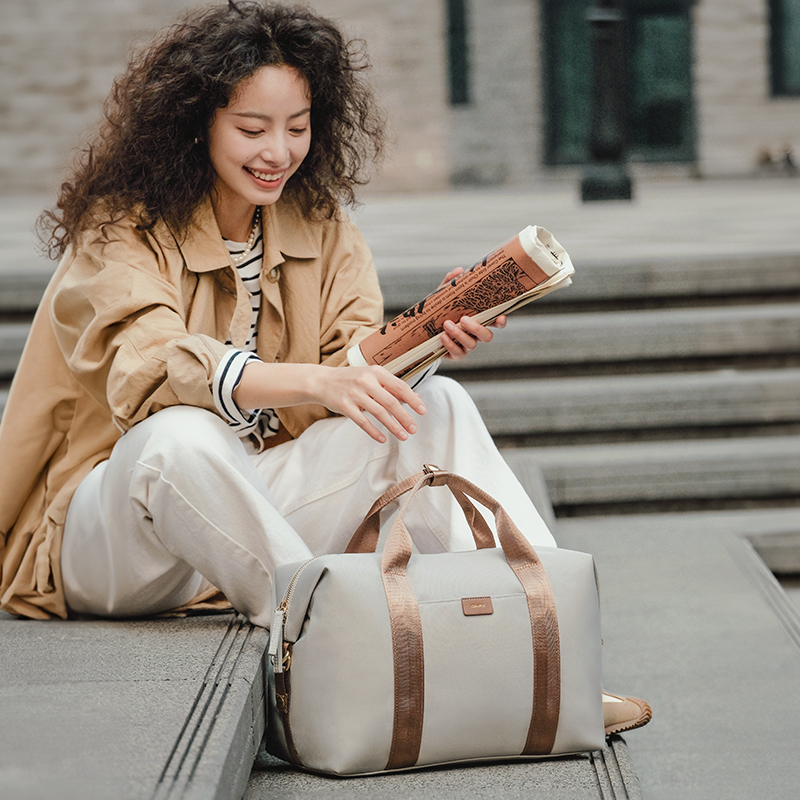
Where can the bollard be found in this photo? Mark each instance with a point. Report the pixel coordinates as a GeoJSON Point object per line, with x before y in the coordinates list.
{"type": "Point", "coordinates": [605, 176]}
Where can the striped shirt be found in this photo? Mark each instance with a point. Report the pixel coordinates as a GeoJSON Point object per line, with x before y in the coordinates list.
{"type": "Point", "coordinates": [229, 372]}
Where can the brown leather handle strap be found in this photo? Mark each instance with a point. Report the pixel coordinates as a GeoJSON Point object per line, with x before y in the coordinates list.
{"type": "Point", "coordinates": [409, 670]}
{"type": "Point", "coordinates": [407, 645]}
{"type": "Point", "coordinates": [481, 532]}
{"type": "Point", "coordinates": [365, 539]}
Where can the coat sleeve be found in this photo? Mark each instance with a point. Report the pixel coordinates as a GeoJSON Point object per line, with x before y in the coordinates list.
{"type": "Point", "coordinates": [351, 300]}
{"type": "Point", "coordinates": [349, 307]}
{"type": "Point", "coordinates": [119, 320]}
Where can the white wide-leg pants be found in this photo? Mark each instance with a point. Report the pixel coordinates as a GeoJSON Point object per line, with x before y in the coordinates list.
{"type": "Point", "coordinates": [181, 503]}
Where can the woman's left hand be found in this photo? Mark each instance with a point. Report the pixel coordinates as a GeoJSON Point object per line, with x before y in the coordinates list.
{"type": "Point", "coordinates": [463, 337]}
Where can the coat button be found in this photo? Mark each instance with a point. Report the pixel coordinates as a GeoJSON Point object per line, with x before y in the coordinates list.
{"type": "Point", "coordinates": [274, 275]}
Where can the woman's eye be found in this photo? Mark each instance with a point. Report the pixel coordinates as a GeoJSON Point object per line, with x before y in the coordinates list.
{"type": "Point", "coordinates": [298, 131]}
{"type": "Point", "coordinates": [249, 133]}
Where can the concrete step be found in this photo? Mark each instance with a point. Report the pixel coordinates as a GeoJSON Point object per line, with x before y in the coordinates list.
{"type": "Point", "coordinates": [148, 709]}
{"type": "Point", "coordinates": [643, 280]}
{"type": "Point", "coordinates": [624, 403]}
{"type": "Point", "coordinates": [662, 334]}
{"type": "Point", "coordinates": [759, 469]}
{"type": "Point", "coordinates": [695, 623]}
{"type": "Point", "coordinates": [21, 293]}
{"type": "Point", "coordinates": [602, 775]}
{"type": "Point", "coordinates": [171, 709]}
{"type": "Point", "coordinates": [584, 339]}
{"type": "Point", "coordinates": [714, 399]}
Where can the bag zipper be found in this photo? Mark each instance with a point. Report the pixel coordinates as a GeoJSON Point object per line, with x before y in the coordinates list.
{"type": "Point", "coordinates": [280, 656]}
{"type": "Point", "coordinates": [276, 644]}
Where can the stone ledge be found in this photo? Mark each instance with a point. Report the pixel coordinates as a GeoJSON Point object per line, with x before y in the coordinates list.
{"type": "Point", "coordinates": [579, 338]}
{"type": "Point", "coordinates": [758, 467]}
{"type": "Point", "coordinates": [680, 333]}
{"type": "Point", "coordinates": [632, 279]}
{"type": "Point", "coordinates": [134, 709]}
{"type": "Point", "coordinates": [603, 775]}
{"type": "Point", "coordinates": [702, 630]}
{"type": "Point", "coordinates": [646, 402]}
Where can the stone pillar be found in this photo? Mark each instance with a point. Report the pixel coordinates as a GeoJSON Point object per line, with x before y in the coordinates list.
{"type": "Point", "coordinates": [605, 176]}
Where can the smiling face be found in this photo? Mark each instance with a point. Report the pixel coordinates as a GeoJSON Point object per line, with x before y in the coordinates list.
{"type": "Point", "coordinates": [256, 143]}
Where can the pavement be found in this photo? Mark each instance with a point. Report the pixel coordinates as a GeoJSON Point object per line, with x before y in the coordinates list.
{"type": "Point", "coordinates": [693, 622]}
{"type": "Point", "coordinates": [666, 218]}
{"type": "Point", "coordinates": [150, 709]}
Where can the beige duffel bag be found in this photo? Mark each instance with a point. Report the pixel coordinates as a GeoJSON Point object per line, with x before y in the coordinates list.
{"type": "Point", "coordinates": [392, 661]}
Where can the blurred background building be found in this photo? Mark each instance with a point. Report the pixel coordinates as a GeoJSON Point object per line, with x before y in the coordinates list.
{"type": "Point", "coordinates": [479, 92]}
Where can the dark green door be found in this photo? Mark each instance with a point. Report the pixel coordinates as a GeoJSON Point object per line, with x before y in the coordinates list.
{"type": "Point", "coordinates": [660, 120]}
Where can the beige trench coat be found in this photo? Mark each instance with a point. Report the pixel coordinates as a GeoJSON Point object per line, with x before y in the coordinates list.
{"type": "Point", "coordinates": [132, 323]}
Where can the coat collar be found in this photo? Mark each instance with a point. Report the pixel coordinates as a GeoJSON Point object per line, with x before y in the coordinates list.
{"type": "Point", "coordinates": [287, 234]}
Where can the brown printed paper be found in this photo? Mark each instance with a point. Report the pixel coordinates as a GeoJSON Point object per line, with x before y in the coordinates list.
{"type": "Point", "coordinates": [502, 281]}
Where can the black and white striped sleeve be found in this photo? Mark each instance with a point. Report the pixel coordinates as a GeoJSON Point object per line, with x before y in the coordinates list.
{"type": "Point", "coordinates": [226, 379]}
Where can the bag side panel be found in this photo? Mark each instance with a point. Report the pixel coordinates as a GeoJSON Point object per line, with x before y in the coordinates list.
{"type": "Point", "coordinates": [572, 578]}
{"type": "Point", "coordinates": [342, 671]}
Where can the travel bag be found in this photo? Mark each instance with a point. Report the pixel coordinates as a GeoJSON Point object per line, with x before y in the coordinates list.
{"type": "Point", "coordinates": [381, 662]}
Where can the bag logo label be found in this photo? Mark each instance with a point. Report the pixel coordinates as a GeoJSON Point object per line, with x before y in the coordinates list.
{"type": "Point", "coordinates": [476, 606]}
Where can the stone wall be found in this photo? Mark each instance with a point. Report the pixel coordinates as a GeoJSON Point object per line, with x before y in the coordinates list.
{"type": "Point", "coordinates": [737, 119]}
{"type": "Point", "coordinates": [406, 43]}
{"type": "Point", "coordinates": [58, 59]}
{"type": "Point", "coordinates": [497, 138]}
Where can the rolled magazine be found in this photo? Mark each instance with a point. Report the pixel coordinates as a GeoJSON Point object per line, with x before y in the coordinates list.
{"type": "Point", "coordinates": [527, 267]}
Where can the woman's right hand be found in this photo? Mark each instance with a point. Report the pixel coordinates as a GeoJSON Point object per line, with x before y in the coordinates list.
{"type": "Point", "coordinates": [359, 393]}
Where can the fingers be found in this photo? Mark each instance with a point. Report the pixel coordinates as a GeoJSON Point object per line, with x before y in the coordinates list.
{"type": "Point", "coordinates": [454, 273]}
{"type": "Point", "coordinates": [463, 338]}
{"type": "Point", "coordinates": [396, 421]}
{"type": "Point", "coordinates": [365, 394]}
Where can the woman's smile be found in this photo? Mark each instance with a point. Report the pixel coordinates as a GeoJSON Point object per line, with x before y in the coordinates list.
{"type": "Point", "coordinates": [264, 177]}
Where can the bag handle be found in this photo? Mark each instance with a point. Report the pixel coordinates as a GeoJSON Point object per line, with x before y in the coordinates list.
{"type": "Point", "coordinates": [406, 626]}
{"type": "Point", "coordinates": [365, 539]}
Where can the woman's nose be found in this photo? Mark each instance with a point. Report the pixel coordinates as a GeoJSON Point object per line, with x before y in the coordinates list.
{"type": "Point", "coordinates": [276, 150]}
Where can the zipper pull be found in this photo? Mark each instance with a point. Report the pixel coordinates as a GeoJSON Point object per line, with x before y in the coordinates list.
{"type": "Point", "coordinates": [276, 638]}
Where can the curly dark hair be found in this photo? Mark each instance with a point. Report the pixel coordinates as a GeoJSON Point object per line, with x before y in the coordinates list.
{"type": "Point", "coordinates": [148, 157]}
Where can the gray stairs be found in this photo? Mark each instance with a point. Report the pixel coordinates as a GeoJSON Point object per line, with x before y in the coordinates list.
{"type": "Point", "coordinates": [648, 385]}
{"type": "Point", "coordinates": [632, 341]}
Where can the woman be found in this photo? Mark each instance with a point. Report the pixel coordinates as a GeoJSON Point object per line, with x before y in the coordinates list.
{"type": "Point", "coordinates": [185, 416]}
